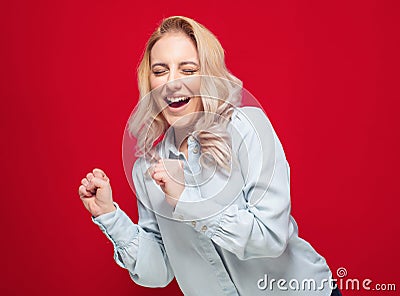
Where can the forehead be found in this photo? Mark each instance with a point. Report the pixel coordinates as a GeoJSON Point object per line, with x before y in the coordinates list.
{"type": "Point", "coordinates": [173, 47]}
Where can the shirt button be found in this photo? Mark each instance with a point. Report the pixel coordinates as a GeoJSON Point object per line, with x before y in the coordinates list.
{"type": "Point", "coordinates": [195, 150]}
{"type": "Point", "coordinates": [204, 228]}
{"type": "Point", "coordinates": [191, 139]}
{"type": "Point", "coordinates": [194, 223]}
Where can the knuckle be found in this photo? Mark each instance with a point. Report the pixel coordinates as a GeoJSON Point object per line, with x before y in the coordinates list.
{"type": "Point", "coordinates": [81, 191]}
{"type": "Point", "coordinates": [98, 181]}
{"type": "Point", "coordinates": [99, 173]}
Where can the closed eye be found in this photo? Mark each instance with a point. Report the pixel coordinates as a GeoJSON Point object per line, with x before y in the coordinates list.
{"type": "Point", "coordinates": [189, 72]}
{"type": "Point", "coordinates": [159, 72]}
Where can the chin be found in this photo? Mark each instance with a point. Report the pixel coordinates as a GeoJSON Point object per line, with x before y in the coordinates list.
{"type": "Point", "coordinates": [180, 121]}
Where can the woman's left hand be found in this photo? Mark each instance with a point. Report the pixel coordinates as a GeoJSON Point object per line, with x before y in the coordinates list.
{"type": "Point", "coordinates": [169, 174]}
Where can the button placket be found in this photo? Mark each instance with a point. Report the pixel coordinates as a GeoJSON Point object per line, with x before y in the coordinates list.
{"type": "Point", "coordinates": [193, 150]}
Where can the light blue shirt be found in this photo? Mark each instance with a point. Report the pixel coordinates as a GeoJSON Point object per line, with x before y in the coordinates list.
{"type": "Point", "coordinates": [229, 234]}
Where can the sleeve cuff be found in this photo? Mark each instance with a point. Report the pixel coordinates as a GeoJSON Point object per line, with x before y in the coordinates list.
{"type": "Point", "coordinates": [181, 211]}
{"type": "Point", "coordinates": [189, 210]}
{"type": "Point", "coordinates": [118, 227]}
{"type": "Point", "coordinates": [108, 218]}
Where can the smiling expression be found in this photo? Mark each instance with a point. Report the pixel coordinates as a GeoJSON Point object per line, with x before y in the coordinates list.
{"type": "Point", "coordinates": [174, 75]}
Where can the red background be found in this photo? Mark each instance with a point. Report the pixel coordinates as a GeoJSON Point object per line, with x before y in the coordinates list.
{"type": "Point", "coordinates": [326, 72]}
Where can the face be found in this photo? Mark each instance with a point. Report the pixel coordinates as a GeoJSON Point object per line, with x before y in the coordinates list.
{"type": "Point", "coordinates": [172, 57]}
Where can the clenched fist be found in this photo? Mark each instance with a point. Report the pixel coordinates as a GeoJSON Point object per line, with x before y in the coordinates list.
{"type": "Point", "coordinates": [96, 194]}
{"type": "Point", "coordinates": [169, 174]}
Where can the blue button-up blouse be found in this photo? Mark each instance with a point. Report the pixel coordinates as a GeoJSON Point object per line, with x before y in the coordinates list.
{"type": "Point", "coordinates": [229, 234]}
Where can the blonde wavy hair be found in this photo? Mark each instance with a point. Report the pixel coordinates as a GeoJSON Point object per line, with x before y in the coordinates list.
{"type": "Point", "coordinates": [220, 93]}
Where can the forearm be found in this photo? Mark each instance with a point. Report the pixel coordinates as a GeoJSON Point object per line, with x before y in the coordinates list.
{"type": "Point", "coordinates": [139, 251]}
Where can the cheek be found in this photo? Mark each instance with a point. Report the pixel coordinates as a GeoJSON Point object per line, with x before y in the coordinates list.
{"type": "Point", "coordinates": [155, 82]}
{"type": "Point", "coordinates": [193, 84]}
{"type": "Point", "coordinates": [198, 105]}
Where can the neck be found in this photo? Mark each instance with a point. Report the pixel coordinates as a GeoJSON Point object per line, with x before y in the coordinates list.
{"type": "Point", "coordinates": [181, 133]}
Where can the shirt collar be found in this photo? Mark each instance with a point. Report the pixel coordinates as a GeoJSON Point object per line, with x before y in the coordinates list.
{"type": "Point", "coordinates": [169, 143]}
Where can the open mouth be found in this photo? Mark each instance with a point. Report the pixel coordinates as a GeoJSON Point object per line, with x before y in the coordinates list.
{"type": "Point", "coordinates": [176, 102]}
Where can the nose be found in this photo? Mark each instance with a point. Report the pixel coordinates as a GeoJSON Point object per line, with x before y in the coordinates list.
{"type": "Point", "coordinates": [174, 83]}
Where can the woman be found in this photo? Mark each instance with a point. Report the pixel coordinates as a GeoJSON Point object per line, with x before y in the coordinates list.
{"type": "Point", "coordinates": [213, 195]}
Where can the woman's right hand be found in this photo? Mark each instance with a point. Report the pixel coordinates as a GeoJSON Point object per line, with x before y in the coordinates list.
{"type": "Point", "coordinates": [96, 194]}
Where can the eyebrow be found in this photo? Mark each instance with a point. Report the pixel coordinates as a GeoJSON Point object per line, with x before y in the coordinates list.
{"type": "Point", "coordinates": [180, 64]}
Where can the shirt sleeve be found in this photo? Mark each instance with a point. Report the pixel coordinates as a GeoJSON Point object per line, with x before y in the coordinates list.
{"type": "Point", "coordinates": [137, 247]}
{"type": "Point", "coordinates": [263, 226]}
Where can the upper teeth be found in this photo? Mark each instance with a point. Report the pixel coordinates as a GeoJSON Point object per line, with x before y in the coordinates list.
{"type": "Point", "coordinates": [177, 99]}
